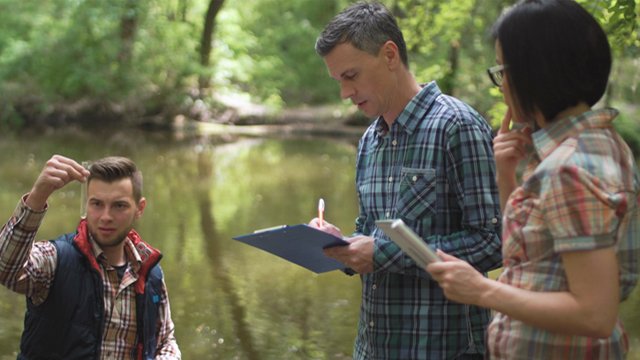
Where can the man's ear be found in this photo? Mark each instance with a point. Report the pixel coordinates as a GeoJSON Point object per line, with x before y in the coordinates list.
{"type": "Point", "coordinates": [141, 205]}
{"type": "Point", "coordinates": [391, 54]}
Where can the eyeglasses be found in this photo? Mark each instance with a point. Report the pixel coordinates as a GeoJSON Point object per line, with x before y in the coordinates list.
{"type": "Point", "coordinates": [496, 74]}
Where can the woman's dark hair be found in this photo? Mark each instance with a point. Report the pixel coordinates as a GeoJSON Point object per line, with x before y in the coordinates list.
{"type": "Point", "coordinates": [114, 168]}
{"type": "Point", "coordinates": [366, 26]}
{"type": "Point", "coordinates": [556, 53]}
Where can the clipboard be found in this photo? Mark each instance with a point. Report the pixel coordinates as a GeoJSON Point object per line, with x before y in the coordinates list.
{"type": "Point", "coordinates": [408, 241]}
{"type": "Point", "coordinates": [300, 244]}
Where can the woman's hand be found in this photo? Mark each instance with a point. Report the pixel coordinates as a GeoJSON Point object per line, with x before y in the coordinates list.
{"type": "Point", "coordinates": [509, 148]}
{"type": "Point", "coordinates": [459, 280]}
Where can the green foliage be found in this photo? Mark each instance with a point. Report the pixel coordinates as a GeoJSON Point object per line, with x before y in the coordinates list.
{"type": "Point", "coordinates": [449, 42]}
{"type": "Point", "coordinates": [142, 56]}
{"type": "Point", "coordinates": [621, 21]}
{"type": "Point", "coordinates": [67, 54]}
{"type": "Point", "coordinates": [498, 110]}
{"type": "Point", "coordinates": [64, 51]}
{"type": "Point", "coordinates": [628, 127]}
{"type": "Point", "coordinates": [274, 43]}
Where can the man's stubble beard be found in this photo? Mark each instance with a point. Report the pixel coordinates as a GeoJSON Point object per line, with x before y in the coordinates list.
{"type": "Point", "coordinates": [113, 243]}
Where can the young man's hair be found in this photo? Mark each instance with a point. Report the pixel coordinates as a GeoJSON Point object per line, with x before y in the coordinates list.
{"type": "Point", "coordinates": [366, 26]}
{"type": "Point", "coordinates": [556, 55]}
{"type": "Point", "coordinates": [113, 168]}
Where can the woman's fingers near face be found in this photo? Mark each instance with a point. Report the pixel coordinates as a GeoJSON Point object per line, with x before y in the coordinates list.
{"type": "Point", "coordinates": [506, 122]}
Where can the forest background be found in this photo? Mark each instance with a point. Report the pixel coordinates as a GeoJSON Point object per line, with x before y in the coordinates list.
{"type": "Point", "coordinates": [149, 62]}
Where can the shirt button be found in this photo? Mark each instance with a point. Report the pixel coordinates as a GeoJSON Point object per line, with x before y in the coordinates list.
{"type": "Point", "coordinates": [374, 286]}
{"type": "Point", "coordinates": [494, 221]}
{"type": "Point", "coordinates": [390, 178]}
{"type": "Point", "coordinates": [371, 323]}
{"type": "Point", "coordinates": [388, 214]}
{"type": "Point", "coordinates": [414, 178]}
{"type": "Point", "coordinates": [394, 142]}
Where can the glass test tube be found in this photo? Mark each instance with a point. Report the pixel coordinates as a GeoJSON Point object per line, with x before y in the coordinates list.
{"type": "Point", "coordinates": [83, 192]}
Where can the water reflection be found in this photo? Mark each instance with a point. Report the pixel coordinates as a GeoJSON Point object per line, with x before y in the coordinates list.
{"type": "Point", "coordinates": [219, 270]}
{"type": "Point", "coordinates": [229, 300]}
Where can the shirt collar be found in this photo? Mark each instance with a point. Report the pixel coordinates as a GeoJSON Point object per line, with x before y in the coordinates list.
{"type": "Point", "coordinates": [414, 112]}
{"type": "Point", "coordinates": [547, 139]}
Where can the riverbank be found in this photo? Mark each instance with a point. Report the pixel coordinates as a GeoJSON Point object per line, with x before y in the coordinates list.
{"type": "Point", "coordinates": [240, 117]}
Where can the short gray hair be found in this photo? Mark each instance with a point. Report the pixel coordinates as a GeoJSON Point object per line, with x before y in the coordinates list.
{"type": "Point", "coordinates": [366, 26]}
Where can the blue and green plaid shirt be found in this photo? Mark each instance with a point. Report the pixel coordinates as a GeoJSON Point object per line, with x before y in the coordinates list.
{"type": "Point", "coordinates": [434, 168]}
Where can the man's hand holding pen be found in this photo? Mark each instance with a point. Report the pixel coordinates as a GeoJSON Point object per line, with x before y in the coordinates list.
{"type": "Point", "coordinates": [358, 255]}
{"type": "Point", "coordinates": [326, 227]}
{"type": "Point", "coordinates": [323, 225]}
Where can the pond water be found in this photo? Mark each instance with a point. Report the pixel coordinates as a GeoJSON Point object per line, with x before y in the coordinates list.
{"type": "Point", "coordinates": [229, 300]}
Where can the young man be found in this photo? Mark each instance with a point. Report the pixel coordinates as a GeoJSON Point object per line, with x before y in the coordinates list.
{"type": "Point", "coordinates": [428, 160]}
{"type": "Point", "coordinates": [96, 293]}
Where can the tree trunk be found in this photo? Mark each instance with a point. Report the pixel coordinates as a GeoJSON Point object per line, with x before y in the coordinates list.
{"type": "Point", "coordinates": [207, 39]}
{"type": "Point", "coordinates": [449, 79]}
{"type": "Point", "coordinates": [182, 10]}
{"type": "Point", "coordinates": [128, 25]}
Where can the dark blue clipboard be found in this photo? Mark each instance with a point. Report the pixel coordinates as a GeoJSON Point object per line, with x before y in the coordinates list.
{"type": "Point", "coordinates": [300, 244]}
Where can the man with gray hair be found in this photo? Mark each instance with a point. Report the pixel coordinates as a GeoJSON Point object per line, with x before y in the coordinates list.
{"type": "Point", "coordinates": [428, 160]}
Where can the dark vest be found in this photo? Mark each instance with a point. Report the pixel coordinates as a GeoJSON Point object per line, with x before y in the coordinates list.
{"type": "Point", "coordinates": [69, 324]}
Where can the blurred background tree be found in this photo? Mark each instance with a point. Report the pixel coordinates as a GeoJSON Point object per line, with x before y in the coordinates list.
{"type": "Point", "coordinates": [97, 63]}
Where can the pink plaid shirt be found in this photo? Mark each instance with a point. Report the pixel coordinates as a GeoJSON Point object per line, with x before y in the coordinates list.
{"type": "Point", "coordinates": [580, 192]}
{"type": "Point", "coordinates": [28, 267]}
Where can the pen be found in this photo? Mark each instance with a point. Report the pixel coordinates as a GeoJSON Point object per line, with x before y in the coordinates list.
{"type": "Point", "coordinates": [321, 211]}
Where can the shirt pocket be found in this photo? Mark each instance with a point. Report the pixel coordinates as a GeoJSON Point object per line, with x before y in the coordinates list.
{"type": "Point", "coordinates": [417, 194]}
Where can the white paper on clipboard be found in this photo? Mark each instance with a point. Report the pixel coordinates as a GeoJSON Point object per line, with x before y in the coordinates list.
{"type": "Point", "coordinates": [408, 241]}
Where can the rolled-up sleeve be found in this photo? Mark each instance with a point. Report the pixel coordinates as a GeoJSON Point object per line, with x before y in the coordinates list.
{"type": "Point", "coordinates": [26, 267]}
{"type": "Point", "coordinates": [472, 178]}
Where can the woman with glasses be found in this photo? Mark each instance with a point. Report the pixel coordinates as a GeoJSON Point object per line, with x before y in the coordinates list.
{"type": "Point", "coordinates": [571, 224]}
